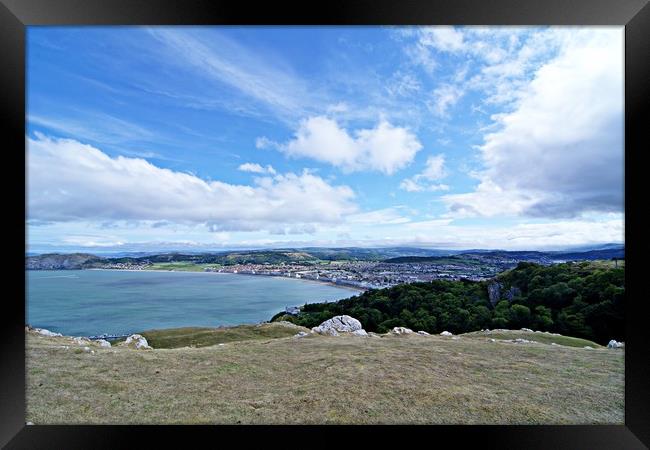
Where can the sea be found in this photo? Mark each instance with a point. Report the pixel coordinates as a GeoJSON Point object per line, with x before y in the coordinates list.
{"type": "Point", "coordinates": [95, 302]}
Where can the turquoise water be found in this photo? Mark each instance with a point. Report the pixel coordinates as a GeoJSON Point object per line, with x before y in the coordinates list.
{"type": "Point", "coordinates": [91, 302]}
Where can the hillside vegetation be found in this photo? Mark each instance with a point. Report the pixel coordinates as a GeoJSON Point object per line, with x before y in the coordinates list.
{"type": "Point", "coordinates": [321, 379]}
{"type": "Point", "coordinates": [583, 299]}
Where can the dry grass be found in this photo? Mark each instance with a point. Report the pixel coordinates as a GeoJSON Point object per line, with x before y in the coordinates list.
{"type": "Point", "coordinates": [318, 379]}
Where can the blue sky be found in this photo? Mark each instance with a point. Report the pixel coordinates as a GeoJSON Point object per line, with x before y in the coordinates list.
{"type": "Point", "coordinates": [251, 137]}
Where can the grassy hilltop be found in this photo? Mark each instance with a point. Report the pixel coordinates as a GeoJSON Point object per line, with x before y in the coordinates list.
{"type": "Point", "coordinates": [259, 376]}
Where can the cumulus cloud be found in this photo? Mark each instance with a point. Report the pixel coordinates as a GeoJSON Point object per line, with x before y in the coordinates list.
{"type": "Point", "coordinates": [434, 170]}
{"type": "Point", "coordinates": [71, 181]}
{"type": "Point", "coordinates": [385, 148]}
{"type": "Point", "coordinates": [256, 168]}
{"type": "Point", "coordinates": [559, 152]}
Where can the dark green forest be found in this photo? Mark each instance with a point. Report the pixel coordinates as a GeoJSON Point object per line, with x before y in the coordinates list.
{"type": "Point", "coordinates": [582, 299]}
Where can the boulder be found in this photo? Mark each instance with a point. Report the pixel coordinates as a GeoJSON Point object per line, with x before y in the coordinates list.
{"type": "Point", "coordinates": [401, 330]}
{"type": "Point", "coordinates": [615, 344]}
{"type": "Point", "coordinates": [338, 324]}
{"type": "Point", "coordinates": [103, 343]}
{"type": "Point", "coordinates": [446, 333]}
{"type": "Point", "coordinates": [80, 340]}
{"type": "Point", "coordinates": [423, 333]}
{"type": "Point", "coordinates": [45, 332]}
{"type": "Point", "coordinates": [137, 342]}
{"type": "Point", "coordinates": [325, 331]}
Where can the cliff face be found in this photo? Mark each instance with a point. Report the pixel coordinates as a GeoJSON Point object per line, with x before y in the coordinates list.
{"type": "Point", "coordinates": [57, 261]}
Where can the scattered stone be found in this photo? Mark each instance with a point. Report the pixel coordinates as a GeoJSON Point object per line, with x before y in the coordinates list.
{"type": "Point", "coordinates": [301, 334]}
{"type": "Point", "coordinates": [45, 332]}
{"type": "Point", "coordinates": [401, 330]}
{"type": "Point", "coordinates": [455, 338]}
{"type": "Point", "coordinates": [221, 344]}
{"type": "Point", "coordinates": [588, 347]}
{"type": "Point", "coordinates": [522, 341]}
{"type": "Point", "coordinates": [615, 344]}
{"type": "Point", "coordinates": [343, 324]}
{"type": "Point", "coordinates": [80, 340]}
{"type": "Point", "coordinates": [528, 330]}
{"type": "Point", "coordinates": [137, 342]}
{"type": "Point", "coordinates": [103, 343]}
{"type": "Point", "coordinates": [446, 333]}
{"type": "Point", "coordinates": [423, 333]}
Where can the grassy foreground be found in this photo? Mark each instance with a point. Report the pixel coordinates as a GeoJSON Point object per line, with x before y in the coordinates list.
{"type": "Point", "coordinates": [322, 379]}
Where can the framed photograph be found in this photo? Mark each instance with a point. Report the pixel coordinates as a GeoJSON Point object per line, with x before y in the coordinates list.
{"type": "Point", "coordinates": [344, 219]}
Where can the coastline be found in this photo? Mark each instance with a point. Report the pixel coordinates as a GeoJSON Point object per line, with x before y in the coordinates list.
{"type": "Point", "coordinates": [346, 286]}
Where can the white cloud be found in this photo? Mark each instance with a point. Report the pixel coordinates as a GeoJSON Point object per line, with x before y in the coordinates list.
{"type": "Point", "coordinates": [385, 148]}
{"type": "Point", "coordinates": [559, 153]}
{"type": "Point", "coordinates": [434, 170]}
{"type": "Point", "coordinates": [70, 181]}
{"type": "Point", "coordinates": [267, 80]}
{"type": "Point", "coordinates": [443, 38]}
{"type": "Point", "coordinates": [443, 98]}
{"type": "Point", "coordinates": [256, 168]}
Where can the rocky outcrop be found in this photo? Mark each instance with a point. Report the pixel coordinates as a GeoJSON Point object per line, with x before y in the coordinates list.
{"type": "Point", "coordinates": [494, 292]}
{"type": "Point", "coordinates": [44, 332]}
{"type": "Point", "coordinates": [138, 342]}
{"type": "Point", "coordinates": [615, 344]}
{"type": "Point", "coordinates": [339, 324]}
{"type": "Point", "coordinates": [401, 330]}
{"type": "Point", "coordinates": [512, 293]}
{"type": "Point", "coordinates": [103, 343]}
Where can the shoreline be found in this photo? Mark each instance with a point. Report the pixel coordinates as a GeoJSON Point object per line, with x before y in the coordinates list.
{"type": "Point", "coordinates": [346, 286]}
{"type": "Point", "coordinates": [350, 288]}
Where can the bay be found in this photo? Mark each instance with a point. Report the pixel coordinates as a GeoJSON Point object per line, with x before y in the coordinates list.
{"type": "Point", "coordinates": [93, 302]}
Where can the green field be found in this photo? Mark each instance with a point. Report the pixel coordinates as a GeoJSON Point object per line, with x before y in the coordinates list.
{"type": "Point", "coordinates": [320, 379]}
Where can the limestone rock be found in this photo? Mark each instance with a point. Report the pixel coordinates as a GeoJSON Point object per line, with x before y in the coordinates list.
{"type": "Point", "coordinates": [615, 344]}
{"type": "Point", "coordinates": [423, 333]}
{"type": "Point", "coordinates": [494, 293]}
{"type": "Point", "coordinates": [103, 343]}
{"type": "Point", "coordinates": [446, 333]}
{"type": "Point", "coordinates": [80, 340]}
{"type": "Point", "coordinates": [45, 332]}
{"type": "Point", "coordinates": [360, 332]}
{"type": "Point", "coordinates": [343, 324]}
{"type": "Point", "coordinates": [137, 342]}
{"type": "Point", "coordinates": [401, 330]}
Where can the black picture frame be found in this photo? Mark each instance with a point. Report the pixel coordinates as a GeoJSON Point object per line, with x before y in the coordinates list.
{"type": "Point", "coordinates": [16, 15]}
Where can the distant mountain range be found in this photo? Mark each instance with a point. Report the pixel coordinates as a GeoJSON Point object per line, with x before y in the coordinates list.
{"type": "Point", "coordinates": [57, 261]}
